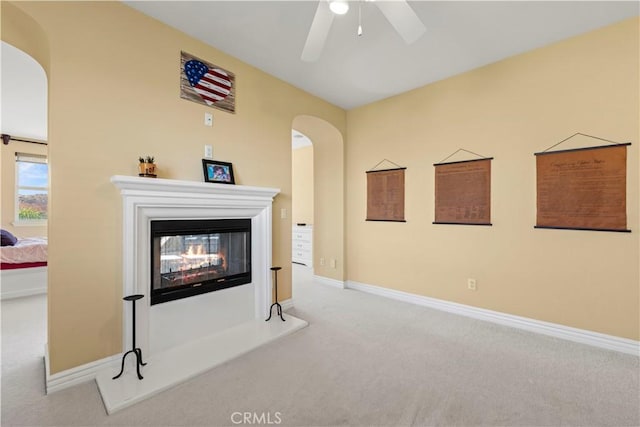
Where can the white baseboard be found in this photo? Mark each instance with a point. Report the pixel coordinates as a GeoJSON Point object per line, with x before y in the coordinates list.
{"type": "Point", "coordinates": [23, 282]}
{"type": "Point", "coordinates": [595, 339]}
{"type": "Point", "coordinates": [22, 293]}
{"type": "Point", "coordinates": [79, 374]}
{"type": "Point", "coordinates": [329, 282]}
{"type": "Point", "coordinates": [286, 304]}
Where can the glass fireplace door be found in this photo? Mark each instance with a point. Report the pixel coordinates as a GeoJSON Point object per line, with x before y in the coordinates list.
{"type": "Point", "coordinates": [183, 260]}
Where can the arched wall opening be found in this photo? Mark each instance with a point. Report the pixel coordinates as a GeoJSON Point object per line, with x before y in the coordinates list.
{"type": "Point", "coordinates": [25, 117]}
{"type": "Point", "coordinates": [302, 200]}
{"type": "Point", "coordinates": [328, 199]}
{"type": "Point", "coordinates": [24, 151]}
{"type": "Point", "coordinates": [25, 109]}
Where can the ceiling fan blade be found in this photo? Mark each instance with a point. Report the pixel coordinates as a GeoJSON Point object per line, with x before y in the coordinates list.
{"type": "Point", "coordinates": [403, 18]}
{"type": "Point", "coordinates": [318, 32]}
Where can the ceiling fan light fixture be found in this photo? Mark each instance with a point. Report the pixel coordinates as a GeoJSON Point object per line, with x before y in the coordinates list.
{"type": "Point", "coordinates": [339, 7]}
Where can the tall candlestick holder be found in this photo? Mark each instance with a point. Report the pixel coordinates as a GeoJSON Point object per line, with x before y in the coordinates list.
{"type": "Point", "coordinates": [135, 350]}
{"type": "Point", "coordinates": [276, 304]}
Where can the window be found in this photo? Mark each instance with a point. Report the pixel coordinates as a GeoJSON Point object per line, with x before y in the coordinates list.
{"type": "Point", "coordinates": [32, 188]}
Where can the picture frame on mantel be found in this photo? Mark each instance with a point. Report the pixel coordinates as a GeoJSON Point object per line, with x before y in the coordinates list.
{"type": "Point", "coordinates": [218, 172]}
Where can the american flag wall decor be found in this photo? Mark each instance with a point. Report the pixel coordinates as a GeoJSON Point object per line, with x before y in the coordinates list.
{"type": "Point", "coordinates": [208, 84]}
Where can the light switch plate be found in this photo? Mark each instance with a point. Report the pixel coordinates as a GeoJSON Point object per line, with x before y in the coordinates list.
{"type": "Point", "coordinates": [208, 151]}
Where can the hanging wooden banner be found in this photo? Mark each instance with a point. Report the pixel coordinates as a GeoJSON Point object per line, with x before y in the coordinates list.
{"type": "Point", "coordinates": [463, 192]}
{"type": "Point", "coordinates": [385, 195]}
{"type": "Point", "coordinates": [583, 189]}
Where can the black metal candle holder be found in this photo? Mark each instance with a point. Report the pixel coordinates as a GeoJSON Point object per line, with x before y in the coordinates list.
{"type": "Point", "coordinates": [135, 350]}
{"type": "Point", "coordinates": [276, 304]}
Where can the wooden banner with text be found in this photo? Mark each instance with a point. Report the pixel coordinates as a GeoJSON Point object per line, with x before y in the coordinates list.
{"type": "Point", "coordinates": [583, 189]}
{"type": "Point", "coordinates": [385, 195]}
{"type": "Point", "coordinates": [463, 192]}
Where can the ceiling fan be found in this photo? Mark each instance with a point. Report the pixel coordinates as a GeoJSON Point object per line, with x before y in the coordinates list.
{"type": "Point", "coordinates": [398, 12]}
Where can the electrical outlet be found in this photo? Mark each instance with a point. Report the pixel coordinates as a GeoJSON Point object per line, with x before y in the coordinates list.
{"type": "Point", "coordinates": [283, 213]}
{"type": "Point", "coordinates": [208, 151]}
{"type": "Point", "coordinates": [471, 284]}
{"type": "Point", "coordinates": [321, 261]}
{"type": "Point", "coordinates": [333, 263]}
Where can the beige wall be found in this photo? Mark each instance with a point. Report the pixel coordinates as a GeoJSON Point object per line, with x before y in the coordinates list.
{"type": "Point", "coordinates": [302, 185]}
{"type": "Point", "coordinates": [507, 110]}
{"type": "Point", "coordinates": [8, 187]}
{"type": "Point", "coordinates": [114, 95]}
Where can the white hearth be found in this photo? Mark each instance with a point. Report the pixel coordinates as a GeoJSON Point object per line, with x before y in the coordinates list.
{"type": "Point", "coordinates": [227, 323]}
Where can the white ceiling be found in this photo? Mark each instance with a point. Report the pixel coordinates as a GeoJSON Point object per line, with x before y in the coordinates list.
{"type": "Point", "coordinates": [299, 140]}
{"type": "Point", "coordinates": [353, 71]}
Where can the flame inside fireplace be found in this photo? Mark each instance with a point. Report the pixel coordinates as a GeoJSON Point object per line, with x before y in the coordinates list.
{"type": "Point", "coordinates": [197, 257]}
{"type": "Point", "coordinates": [192, 265]}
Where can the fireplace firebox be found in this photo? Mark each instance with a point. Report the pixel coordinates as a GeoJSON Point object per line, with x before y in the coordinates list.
{"type": "Point", "coordinates": [192, 257]}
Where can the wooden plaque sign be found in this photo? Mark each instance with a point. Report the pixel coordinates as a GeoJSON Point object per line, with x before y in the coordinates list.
{"type": "Point", "coordinates": [463, 192]}
{"type": "Point", "coordinates": [385, 195]}
{"type": "Point", "coordinates": [206, 83]}
{"type": "Point", "coordinates": [583, 189]}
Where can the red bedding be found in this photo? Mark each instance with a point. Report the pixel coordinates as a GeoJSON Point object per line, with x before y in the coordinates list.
{"type": "Point", "coordinates": [8, 266]}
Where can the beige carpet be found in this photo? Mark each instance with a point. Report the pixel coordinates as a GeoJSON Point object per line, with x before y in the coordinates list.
{"type": "Point", "coordinates": [363, 360]}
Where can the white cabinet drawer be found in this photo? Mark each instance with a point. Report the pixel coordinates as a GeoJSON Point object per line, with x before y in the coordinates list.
{"type": "Point", "coordinates": [306, 255]}
{"type": "Point", "coordinates": [302, 236]}
{"type": "Point", "coordinates": [298, 245]}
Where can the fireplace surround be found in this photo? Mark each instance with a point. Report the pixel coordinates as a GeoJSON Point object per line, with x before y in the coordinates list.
{"type": "Point", "coordinates": [146, 200]}
{"type": "Point", "coordinates": [185, 337]}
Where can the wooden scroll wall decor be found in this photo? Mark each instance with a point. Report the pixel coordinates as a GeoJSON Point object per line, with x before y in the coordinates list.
{"type": "Point", "coordinates": [463, 192]}
{"type": "Point", "coordinates": [583, 188]}
{"type": "Point", "coordinates": [385, 195]}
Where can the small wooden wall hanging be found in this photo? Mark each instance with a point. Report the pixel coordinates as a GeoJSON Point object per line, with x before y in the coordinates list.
{"type": "Point", "coordinates": [463, 191]}
{"type": "Point", "coordinates": [385, 194]}
{"type": "Point", "coordinates": [207, 84]}
{"type": "Point", "coordinates": [583, 188]}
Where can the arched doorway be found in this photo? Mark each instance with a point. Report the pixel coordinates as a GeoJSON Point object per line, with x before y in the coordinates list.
{"type": "Point", "coordinates": [328, 197]}
{"type": "Point", "coordinates": [24, 151]}
{"type": "Point", "coordinates": [302, 199]}
{"type": "Point", "coordinates": [25, 172]}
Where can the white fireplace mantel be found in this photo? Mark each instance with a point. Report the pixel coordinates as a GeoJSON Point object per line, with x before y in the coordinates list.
{"type": "Point", "coordinates": [234, 317]}
{"type": "Point", "coordinates": [147, 199]}
{"type": "Point", "coordinates": [130, 185]}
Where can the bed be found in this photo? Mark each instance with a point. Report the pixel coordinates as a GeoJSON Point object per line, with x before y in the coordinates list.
{"type": "Point", "coordinates": [23, 266]}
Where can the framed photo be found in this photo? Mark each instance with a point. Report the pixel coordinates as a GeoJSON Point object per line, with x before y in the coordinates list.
{"type": "Point", "coordinates": [218, 172]}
